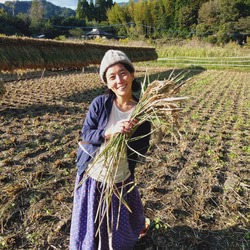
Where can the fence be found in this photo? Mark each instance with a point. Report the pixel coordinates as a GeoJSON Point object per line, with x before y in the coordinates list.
{"type": "Point", "coordinates": [209, 61]}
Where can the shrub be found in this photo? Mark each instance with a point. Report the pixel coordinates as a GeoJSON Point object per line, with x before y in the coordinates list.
{"type": "Point", "coordinates": [248, 41]}
{"type": "Point", "coordinates": [61, 38]}
{"type": "Point", "coordinates": [211, 39]}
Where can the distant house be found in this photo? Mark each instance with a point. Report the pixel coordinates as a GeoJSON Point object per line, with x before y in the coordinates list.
{"type": "Point", "coordinates": [96, 33]}
{"type": "Point", "coordinates": [40, 36]}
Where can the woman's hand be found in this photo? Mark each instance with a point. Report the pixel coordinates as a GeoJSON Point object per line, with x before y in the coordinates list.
{"type": "Point", "coordinates": [123, 126]}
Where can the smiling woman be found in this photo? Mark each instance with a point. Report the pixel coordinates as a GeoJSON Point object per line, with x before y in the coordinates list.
{"type": "Point", "coordinates": [97, 222]}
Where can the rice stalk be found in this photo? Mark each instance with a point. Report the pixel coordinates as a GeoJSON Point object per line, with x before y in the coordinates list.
{"type": "Point", "coordinates": [160, 105]}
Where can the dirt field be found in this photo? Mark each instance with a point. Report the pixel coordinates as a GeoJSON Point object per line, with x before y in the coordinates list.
{"type": "Point", "coordinates": [196, 192]}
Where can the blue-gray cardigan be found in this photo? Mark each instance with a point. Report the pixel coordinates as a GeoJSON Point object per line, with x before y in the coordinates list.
{"type": "Point", "coordinates": [93, 134]}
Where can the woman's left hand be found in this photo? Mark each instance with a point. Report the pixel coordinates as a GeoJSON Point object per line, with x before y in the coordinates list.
{"type": "Point", "coordinates": [127, 125]}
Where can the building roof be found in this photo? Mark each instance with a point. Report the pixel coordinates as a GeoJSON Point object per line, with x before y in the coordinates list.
{"type": "Point", "coordinates": [97, 32]}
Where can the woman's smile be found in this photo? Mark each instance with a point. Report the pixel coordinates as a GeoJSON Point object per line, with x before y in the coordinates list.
{"type": "Point", "coordinates": [122, 87]}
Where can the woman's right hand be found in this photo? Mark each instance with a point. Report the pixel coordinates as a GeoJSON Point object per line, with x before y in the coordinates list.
{"type": "Point", "coordinates": [123, 126]}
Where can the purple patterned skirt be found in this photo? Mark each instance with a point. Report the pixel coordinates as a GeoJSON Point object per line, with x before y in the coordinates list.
{"type": "Point", "coordinates": [83, 226]}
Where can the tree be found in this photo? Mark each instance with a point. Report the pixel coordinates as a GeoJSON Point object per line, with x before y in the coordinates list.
{"type": "Point", "coordinates": [186, 18]}
{"type": "Point", "coordinates": [178, 4]}
{"type": "Point", "coordinates": [123, 14]}
{"type": "Point", "coordinates": [113, 14]}
{"type": "Point", "coordinates": [168, 7]}
{"type": "Point", "coordinates": [209, 12]}
{"type": "Point", "coordinates": [195, 5]}
{"type": "Point", "coordinates": [169, 13]}
{"type": "Point", "coordinates": [109, 4]}
{"type": "Point", "coordinates": [36, 15]}
{"type": "Point", "coordinates": [100, 10]}
{"type": "Point", "coordinates": [139, 12]}
{"type": "Point", "coordinates": [209, 17]}
{"type": "Point", "coordinates": [243, 24]}
{"type": "Point", "coordinates": [228, 11]}
{"type": "Point", "coordinates": [53, 31]}
{"type": "Point", "coordinates": [91, 10]}
{"type": "Point", "coordinates": [150, 16]}
{"type": "Point", "coordinates": [83, 11]}
{"type": "Point", "coordinates": [23, 23]}
{"type": "Point", "coordinates": [243, 6]}
{"type": "Point", "coordinates": [79, 9]}
{"type": "Point", "coordinates": [11, 4]}
{"type": "Point", "coordinates": [76, 32]}
{"type": "Point", "coordinates": [131, 7]}
{"type": "Point", "coordinates": [6, 23]}
{"type": "Point", "coordinates": [222, 36]}
{"type": "Point", "coordinates": [203, 29]}
{"type": "Point", "coordinates": [10, 25]}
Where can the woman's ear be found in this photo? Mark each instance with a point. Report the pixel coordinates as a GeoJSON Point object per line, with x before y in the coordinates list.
{"type": "Point", "coordinates": [133, 75]}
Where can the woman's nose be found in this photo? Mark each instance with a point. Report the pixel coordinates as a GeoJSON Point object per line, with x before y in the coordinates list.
{"type": "Point", "coordinates": [118, 79]}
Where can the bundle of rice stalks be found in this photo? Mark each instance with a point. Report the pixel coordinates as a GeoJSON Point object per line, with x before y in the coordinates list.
{"type": "Point", "coordinates": [160, 106]}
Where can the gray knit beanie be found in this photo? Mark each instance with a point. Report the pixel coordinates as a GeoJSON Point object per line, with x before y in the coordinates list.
{"type": "Point", "coordinates": [112, 57]}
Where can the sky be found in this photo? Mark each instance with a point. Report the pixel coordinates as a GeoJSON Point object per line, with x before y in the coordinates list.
{"type": "Point", "coordinates": [66, 3]}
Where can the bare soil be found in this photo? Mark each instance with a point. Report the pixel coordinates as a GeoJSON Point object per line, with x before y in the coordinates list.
{"type": "Point", "coordinates": [195, 189]}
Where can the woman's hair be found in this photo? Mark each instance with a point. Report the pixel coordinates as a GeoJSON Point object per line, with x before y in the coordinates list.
{"type": "Point", "coordinates": [136, 86]}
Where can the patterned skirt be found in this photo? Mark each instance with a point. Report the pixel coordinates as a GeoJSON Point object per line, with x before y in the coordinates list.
{"type": "Point", "coordinates": [83, 225]}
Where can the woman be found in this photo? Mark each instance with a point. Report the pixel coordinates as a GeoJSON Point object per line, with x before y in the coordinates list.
{"type": "Point", "coordinates": [109, 114]}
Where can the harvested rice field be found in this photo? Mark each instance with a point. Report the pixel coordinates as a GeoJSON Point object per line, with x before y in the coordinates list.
{"type": "Point", "coordinates": [196, 190]}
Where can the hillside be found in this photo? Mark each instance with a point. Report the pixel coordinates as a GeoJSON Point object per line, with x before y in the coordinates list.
{"type": "Point", "coordinates": [25, 6]}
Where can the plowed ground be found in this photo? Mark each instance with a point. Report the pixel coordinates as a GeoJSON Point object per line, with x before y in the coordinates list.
{"type": "Point", "coordinates": [196, 191]}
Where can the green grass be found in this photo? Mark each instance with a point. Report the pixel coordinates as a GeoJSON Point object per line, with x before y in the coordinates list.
{"type": "Point", "coordinates": [207, 53]}
{"type": "Point", "coordinates": [197, 49]}
{"type": "Point", "coordinates": [201, 67]}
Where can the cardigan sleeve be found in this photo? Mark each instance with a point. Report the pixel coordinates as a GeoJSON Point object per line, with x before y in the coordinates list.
{"type": "Point", "coordinates": [93, 127]}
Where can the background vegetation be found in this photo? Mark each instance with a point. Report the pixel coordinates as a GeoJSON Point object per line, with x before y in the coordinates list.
{"type": "Point", "coordinates": [218, 20]}
{"type": "Point", "coordinates": [214, 21]}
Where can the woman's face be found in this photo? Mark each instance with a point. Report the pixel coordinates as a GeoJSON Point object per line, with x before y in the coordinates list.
{"type": "Point", "coordinates": [119, 80]}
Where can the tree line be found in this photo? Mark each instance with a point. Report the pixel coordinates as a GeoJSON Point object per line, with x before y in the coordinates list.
{"type": "Point", "coordinates": [218, 20]}
{"type": "Point", "coordinates": [32, 18]}
{"type": "Point", "coordinates": [212, 20]}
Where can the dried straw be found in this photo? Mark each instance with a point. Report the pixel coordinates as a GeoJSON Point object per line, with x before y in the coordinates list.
{"type": "Point", "coordinates": [2, 88]}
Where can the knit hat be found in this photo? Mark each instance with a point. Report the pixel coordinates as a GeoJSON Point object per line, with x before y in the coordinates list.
{"type": "Point", "coordinates": [112, 57]}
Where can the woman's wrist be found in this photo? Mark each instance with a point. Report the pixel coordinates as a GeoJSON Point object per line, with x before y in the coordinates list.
{"type": "Point", "coordinates": [108, 133]}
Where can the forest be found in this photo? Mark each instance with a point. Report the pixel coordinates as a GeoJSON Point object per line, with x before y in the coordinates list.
{"type": "Point", "coordinates": [216, 21]}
